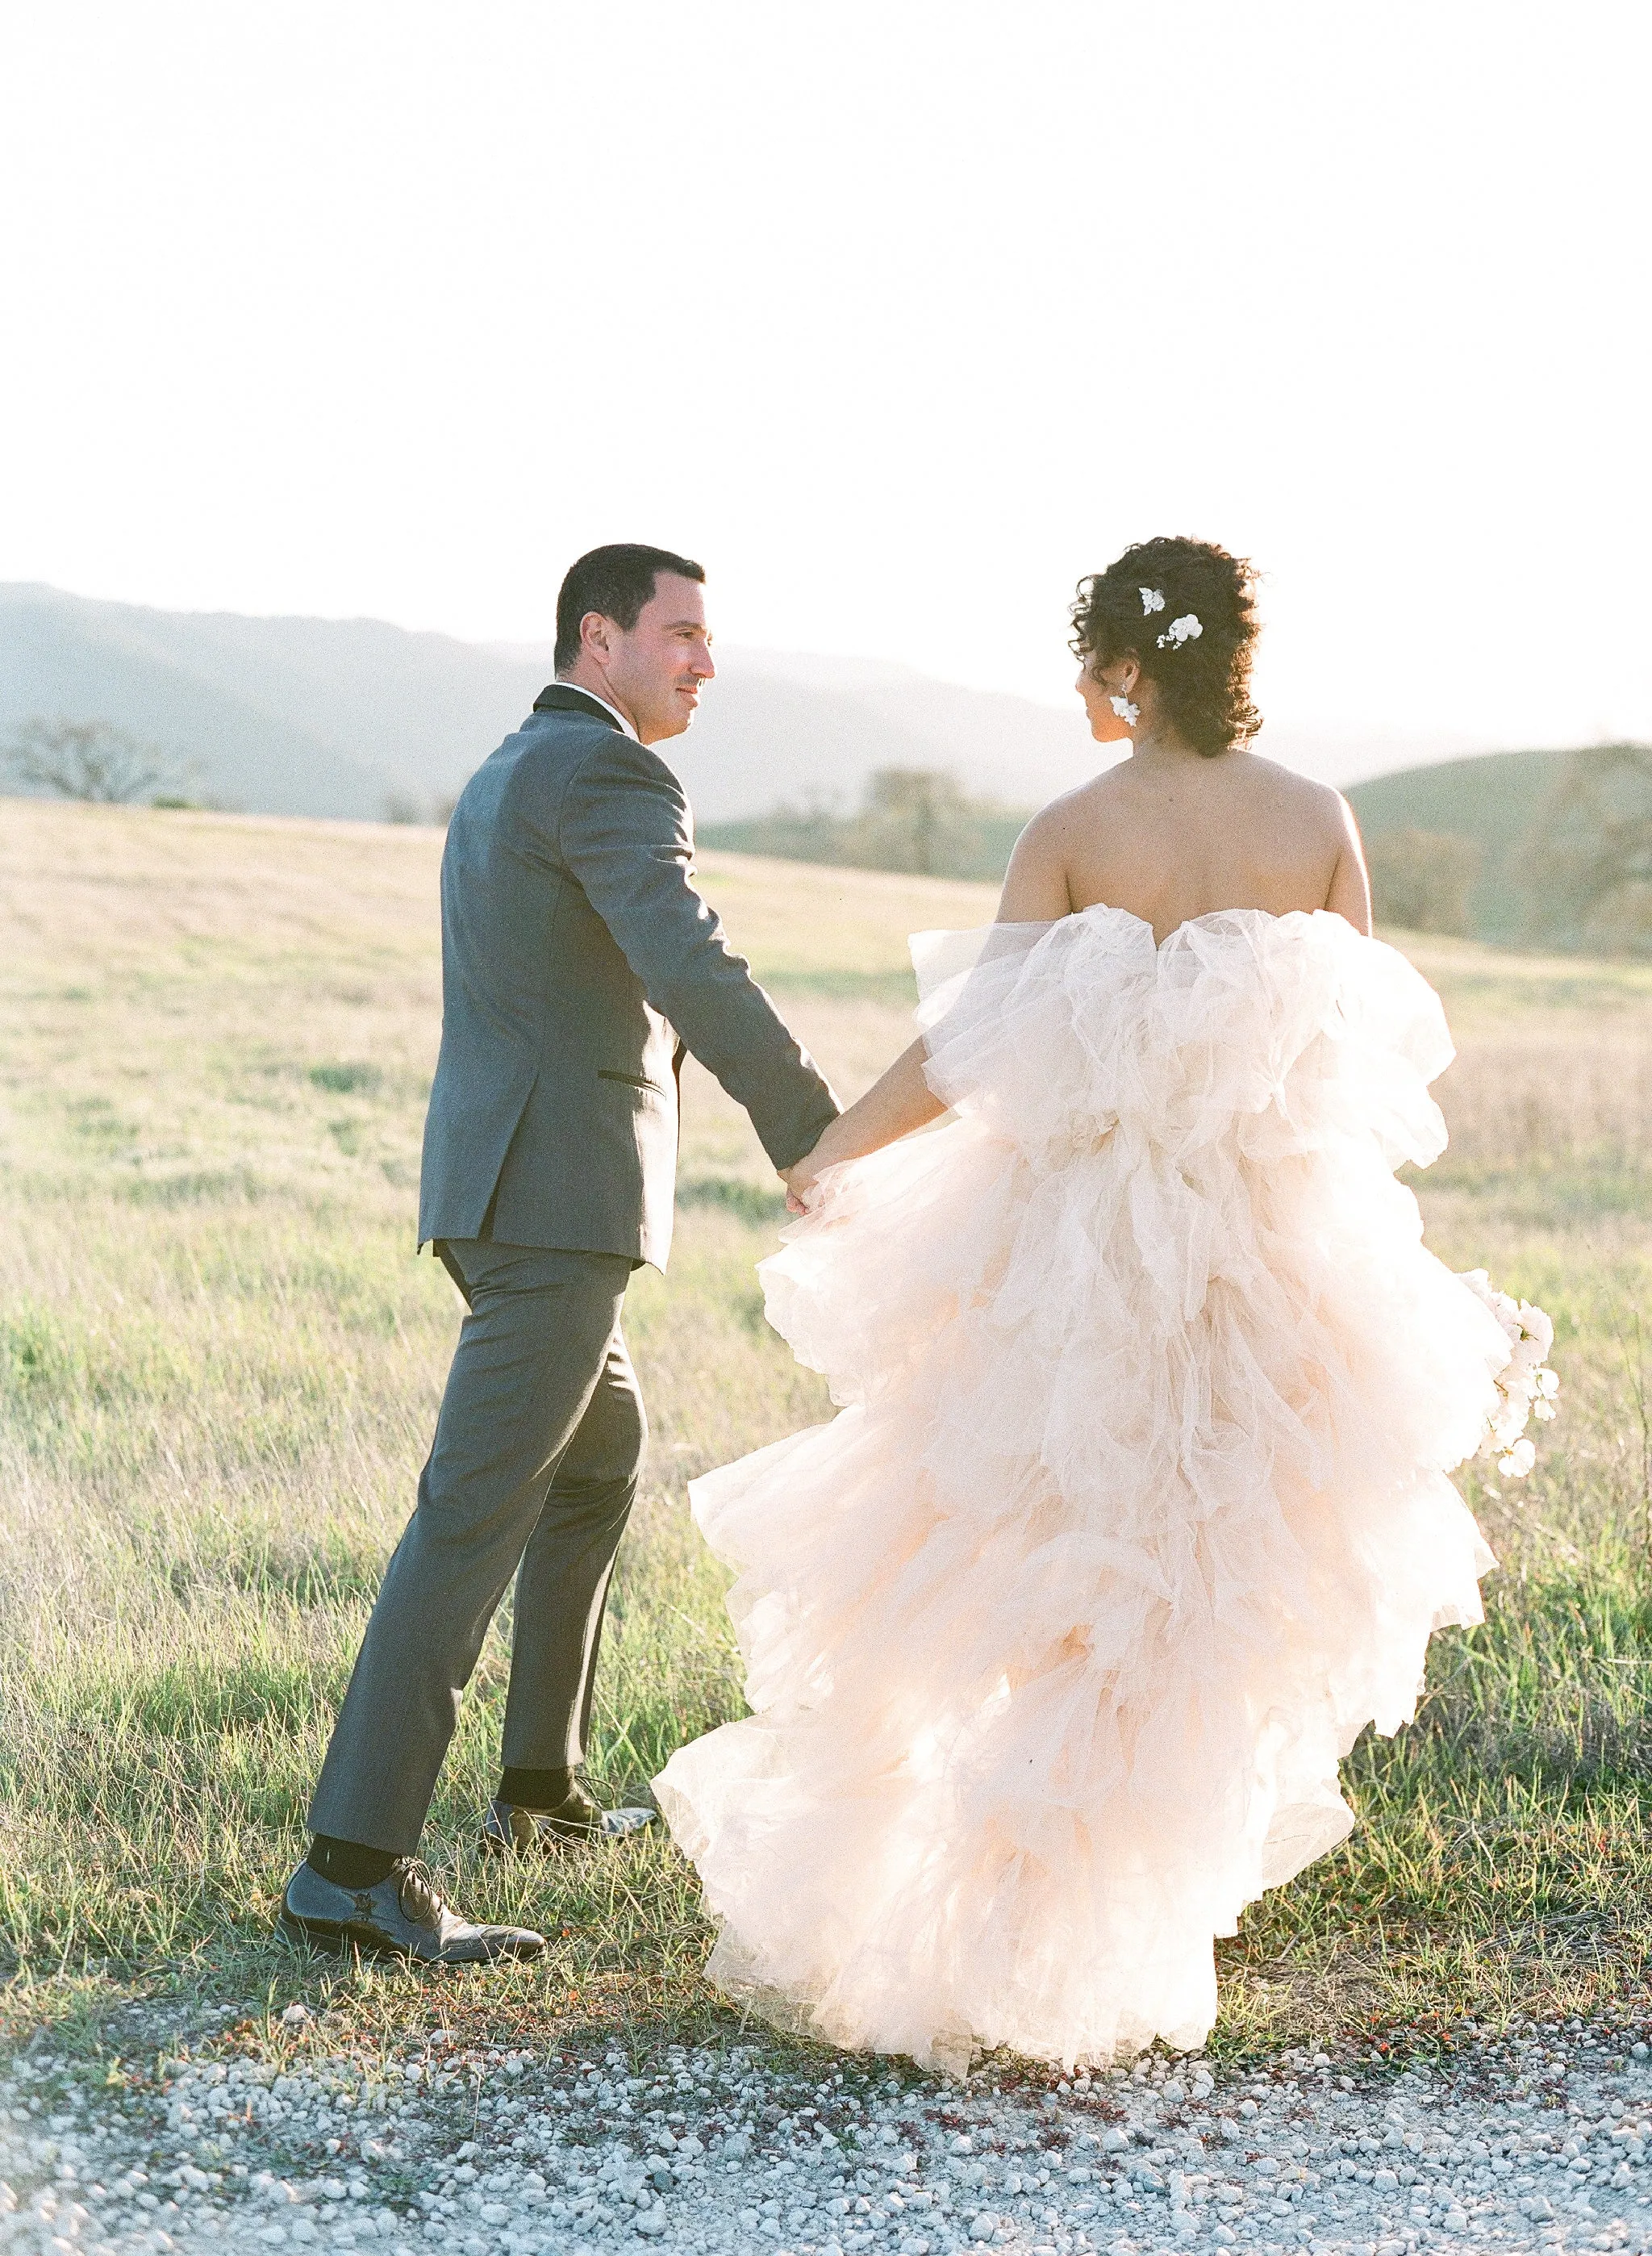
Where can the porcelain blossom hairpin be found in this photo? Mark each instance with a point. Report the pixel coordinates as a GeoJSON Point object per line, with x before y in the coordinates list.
{"type": "Point", "coordinates": [1152, 599]}
{"type": "Point", "coordinates": [1186, 628]}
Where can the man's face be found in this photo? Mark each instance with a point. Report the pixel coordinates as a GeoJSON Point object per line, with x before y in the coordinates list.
{"type": "Point", "coordinates": [655, 669]}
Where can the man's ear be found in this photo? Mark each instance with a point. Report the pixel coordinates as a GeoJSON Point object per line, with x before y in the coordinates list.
{"type": "Point", "coordinates": [593, 634]}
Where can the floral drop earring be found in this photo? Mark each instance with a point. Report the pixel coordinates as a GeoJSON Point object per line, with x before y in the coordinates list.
{"type": "Point", "coordinates": [1128, 713]}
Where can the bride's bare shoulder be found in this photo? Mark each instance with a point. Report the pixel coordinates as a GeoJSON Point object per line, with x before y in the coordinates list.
{"type": "Point", "coordinates": [1078, 806]}
{"type": "Point", "coordinates": [1273, 776]}
{"type": "Point", "coordinates": [1036, 887]}
{"type": "Point", "coordinates": [1309, 801]}
{"type": "Point", "coordinates": [1240, 777]}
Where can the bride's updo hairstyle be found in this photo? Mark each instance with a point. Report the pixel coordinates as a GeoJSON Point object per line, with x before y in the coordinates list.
{"type": "Point", "coordinates": [1140, 608]}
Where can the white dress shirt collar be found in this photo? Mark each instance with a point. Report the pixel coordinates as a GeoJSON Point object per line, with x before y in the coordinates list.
{"type": "Point", "coordinates": [559, 683]}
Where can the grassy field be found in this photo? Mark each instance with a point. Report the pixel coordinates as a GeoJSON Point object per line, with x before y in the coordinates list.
{"type": "Point", "coordinates": [219, 1361]}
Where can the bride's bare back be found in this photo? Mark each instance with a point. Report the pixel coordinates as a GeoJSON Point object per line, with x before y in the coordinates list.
{"type": "Point", "coordinates": [1169, 835]}
{"type": "Point", "coordinates": [1190, 823]}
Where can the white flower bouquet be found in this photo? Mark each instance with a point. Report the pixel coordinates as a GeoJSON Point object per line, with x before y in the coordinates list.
{"type": "Point", "coordinates": [1526, 1387]}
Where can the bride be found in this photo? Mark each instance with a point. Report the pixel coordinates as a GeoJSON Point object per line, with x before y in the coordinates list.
{"type": "Point", "coordinates": [1136, 1510]}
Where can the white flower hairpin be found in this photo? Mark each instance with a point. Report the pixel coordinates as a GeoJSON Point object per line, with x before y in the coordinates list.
{"type": "Point", "coordinates": [1186, 628]}
{"type": "Point", "coordinates": [1152, 600]}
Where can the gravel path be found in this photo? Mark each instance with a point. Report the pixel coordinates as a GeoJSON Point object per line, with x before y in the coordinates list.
{"type": "Point", "coordinates": [1534, 2140]}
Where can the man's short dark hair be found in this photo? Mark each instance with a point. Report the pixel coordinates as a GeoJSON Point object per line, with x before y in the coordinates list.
{"type": "Point", "coordinates": [617, 581]}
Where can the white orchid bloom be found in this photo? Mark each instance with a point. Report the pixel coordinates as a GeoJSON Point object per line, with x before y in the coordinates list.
{"type": "Point", "coordinates": [1186, 628]}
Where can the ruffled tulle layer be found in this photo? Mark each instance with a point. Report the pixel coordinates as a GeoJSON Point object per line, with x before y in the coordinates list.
{"type": "Point", "coordinates": [1136, 1509]}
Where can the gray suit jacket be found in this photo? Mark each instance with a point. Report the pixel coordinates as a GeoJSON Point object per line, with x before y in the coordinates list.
{"type": "Point", "coordinates": [573, 944]}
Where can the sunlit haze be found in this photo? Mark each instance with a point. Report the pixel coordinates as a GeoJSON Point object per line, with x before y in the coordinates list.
{"type": "Point", "coordinates": [899, 316]}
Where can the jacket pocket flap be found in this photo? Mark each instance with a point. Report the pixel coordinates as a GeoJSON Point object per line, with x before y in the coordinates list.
{"type": "Point", "coordinates": [631, 1080]}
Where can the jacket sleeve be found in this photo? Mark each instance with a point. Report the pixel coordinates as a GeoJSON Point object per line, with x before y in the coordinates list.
{"type": "Point", "coordinates": [626, 835]}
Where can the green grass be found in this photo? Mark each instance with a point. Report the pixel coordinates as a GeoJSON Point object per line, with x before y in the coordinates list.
{"type": "Point", "coordinates": [220, 1362]}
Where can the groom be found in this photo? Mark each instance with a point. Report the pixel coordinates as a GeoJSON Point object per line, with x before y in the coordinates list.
{"type": "Point", "coordinates": [578, 964]}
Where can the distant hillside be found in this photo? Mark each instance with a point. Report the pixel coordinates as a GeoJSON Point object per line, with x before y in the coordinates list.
{"type": "Point", "coordinates": [1492, 801]}
{"type": "Point", "coordinates": [335, 716]}
{"type": "Point", "coordinates": [342, 716]}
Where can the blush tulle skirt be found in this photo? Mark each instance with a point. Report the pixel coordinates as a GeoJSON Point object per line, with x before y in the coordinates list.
{"type": "Point", "coordinates": [1136, 1509]}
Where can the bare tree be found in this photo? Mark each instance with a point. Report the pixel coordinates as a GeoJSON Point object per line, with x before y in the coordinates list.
{"type": "Point", "coordinates": [1586, 861]}
{"type": "Point", "coordinates": [89, 760]}
{"type": "Point", "coordinates": [1422, 879]}
{"type": "Point", "coordinates": [915, 819]}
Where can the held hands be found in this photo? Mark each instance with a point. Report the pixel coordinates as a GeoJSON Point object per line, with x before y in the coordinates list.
{"type": "Point", "coordinates": [800, 1179]}
{"type": "Point", "coordinates": [899, 1102]}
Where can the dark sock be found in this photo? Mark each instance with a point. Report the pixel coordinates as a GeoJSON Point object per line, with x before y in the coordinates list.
{"type": "Point", "coordinates": [535, 1789]}
{"type": "Point", "coordinates": [347, 1864]}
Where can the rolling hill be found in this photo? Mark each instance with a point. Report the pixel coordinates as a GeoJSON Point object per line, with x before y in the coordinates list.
{"type": "Point", "coordinates": [1492, 801]}
{"type": "Point", "coordinates": [335, 716]}
{"type": "Point", "coordinates": [343, 718]}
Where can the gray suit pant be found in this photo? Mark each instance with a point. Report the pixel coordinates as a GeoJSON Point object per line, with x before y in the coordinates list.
{"type": "Point", "coordinates": [532, 1473]}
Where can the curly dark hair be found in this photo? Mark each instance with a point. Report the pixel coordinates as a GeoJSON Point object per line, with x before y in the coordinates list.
{"type": "Point", "coordinates": [1203, 681]}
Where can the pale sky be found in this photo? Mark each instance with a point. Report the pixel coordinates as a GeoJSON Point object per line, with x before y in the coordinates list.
{"type": "Point", "coordinates": [899, 315]}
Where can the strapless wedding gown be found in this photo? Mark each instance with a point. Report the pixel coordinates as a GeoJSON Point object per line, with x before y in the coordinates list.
{"type": "Point", "coordinates": [1135, 1511]}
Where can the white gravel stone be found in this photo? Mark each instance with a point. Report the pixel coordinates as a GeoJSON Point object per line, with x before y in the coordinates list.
{"type": "Point", "coordinates": [1533, 2140]}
